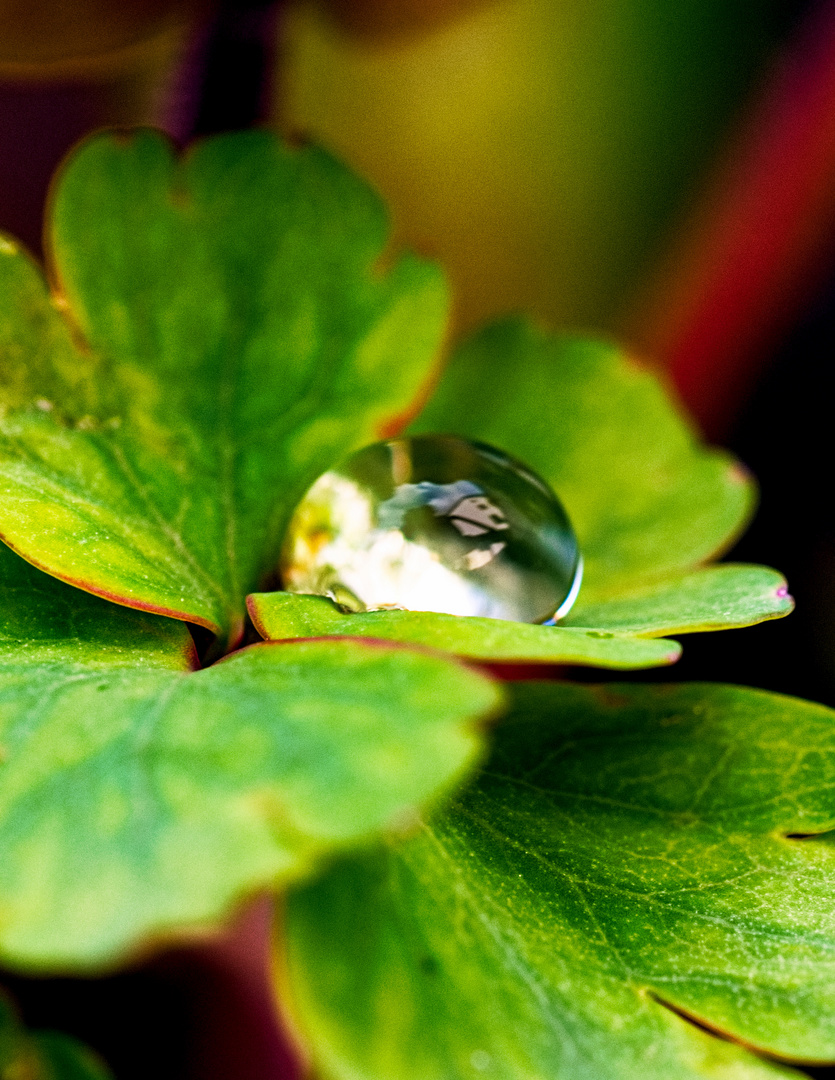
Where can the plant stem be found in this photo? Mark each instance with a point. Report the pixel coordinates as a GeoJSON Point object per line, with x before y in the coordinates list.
{"type": "Point", "coordinates": [225, 79]}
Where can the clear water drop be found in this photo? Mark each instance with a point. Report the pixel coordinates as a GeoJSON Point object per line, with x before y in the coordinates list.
{"type": "Point", "coordinates": [435, 523]}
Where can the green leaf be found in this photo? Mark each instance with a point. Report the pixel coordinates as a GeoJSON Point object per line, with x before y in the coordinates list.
{"type": "Point", "coordinates": [134, 802]}
{"type": "Point", "coordinates": [220, 335]}
{"type": "Point", "coordinates": [42, 1055]}
{"type": "Point", "coordinates": [715, 598]}
{"type": "Point", "coordinates": [66, 1059]}
{"type": "Point", "coordinates": [625, 860]}
{"type": "Point", "coordinates": [42, 619]}
{"type": "Point", "coordinates": [647, 501]}
{"type": "Point", "coordinates": [137, 797]}
{"type": "Point", "coordinates": [279, 615]}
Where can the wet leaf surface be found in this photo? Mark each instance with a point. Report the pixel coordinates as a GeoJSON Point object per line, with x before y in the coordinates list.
{"type": "Point", "coordinates": [646, 499]}
{"type": "Point", "coordinates": [281, 615]}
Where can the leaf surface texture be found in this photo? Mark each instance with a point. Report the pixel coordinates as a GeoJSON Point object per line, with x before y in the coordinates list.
{"type": "Point", "coordinates": [219, 336]}
{"type": "Point", "coordinates": [624, 860]}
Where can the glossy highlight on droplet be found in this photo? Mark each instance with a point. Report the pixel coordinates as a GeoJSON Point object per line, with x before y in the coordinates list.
{"type": "Point", "coordinates": [435, 523]}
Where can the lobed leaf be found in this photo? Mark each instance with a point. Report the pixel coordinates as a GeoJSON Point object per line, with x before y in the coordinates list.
{"type": "Point", "coordinates": [218, 338]}
{"type": "Point", "coordinates": [135, 801]}
{"type": "Point", "coordinates": [646, 500]}
{"type": "Point", "coordinates": [628, 859]}
{"type": "Point", "coordinates": [137, 796]}
{"type": "Point", "coordinates": [713, 598]}
{"type": "Point", "coordinates": [42, 619]}
{"type": "Point", "coordinates": [44, 1055]}
{"type": "Point", "coordinates": [279, 616]}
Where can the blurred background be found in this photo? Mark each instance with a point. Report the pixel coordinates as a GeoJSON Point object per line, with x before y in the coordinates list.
{"type": "Point", "coordinates": [662, 173]}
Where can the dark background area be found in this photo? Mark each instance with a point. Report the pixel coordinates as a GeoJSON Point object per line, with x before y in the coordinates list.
{"type": "Point", "coordinates": [785, 435]}
{"type": "Point", "coordinates": [167, 1017]}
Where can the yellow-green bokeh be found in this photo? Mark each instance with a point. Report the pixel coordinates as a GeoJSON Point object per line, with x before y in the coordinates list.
{"type": "Point", "coordinates": [540, 148]}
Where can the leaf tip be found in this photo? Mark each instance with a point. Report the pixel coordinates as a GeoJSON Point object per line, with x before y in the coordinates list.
{"type": "Point", "coordinates": [253, 608]}
{"type": "Point", "coordinates": [740, 474]}
{"type": "Point", "coordinates": [784, 601]}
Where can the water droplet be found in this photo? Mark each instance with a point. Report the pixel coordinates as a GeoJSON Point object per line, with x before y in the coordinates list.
{"type": "Point", "coordinates": [435, 523]}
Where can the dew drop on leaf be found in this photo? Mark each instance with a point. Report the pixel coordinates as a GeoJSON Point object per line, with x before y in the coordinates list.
{"type": "Point", "coordinates": [434, 523]}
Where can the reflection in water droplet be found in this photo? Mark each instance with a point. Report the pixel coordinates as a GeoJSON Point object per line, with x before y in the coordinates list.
{"type": "Point", "coordinates": [435, 523]}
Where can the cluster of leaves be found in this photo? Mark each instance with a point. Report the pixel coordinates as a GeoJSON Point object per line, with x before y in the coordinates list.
{"type": "Point", "coordinates": [218, 333]}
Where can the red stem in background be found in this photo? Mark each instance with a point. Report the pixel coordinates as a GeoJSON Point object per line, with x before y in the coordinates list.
{"type": "Point", "coordinates": [237, 1032]}
{"type": "Point", "coordinates": [225, 78]}
{"type": "Point", "coordinates": [760, 239]}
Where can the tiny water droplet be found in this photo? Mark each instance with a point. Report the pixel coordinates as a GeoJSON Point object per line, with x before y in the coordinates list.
{"type": "Point", "coordinates": [435, 523]}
